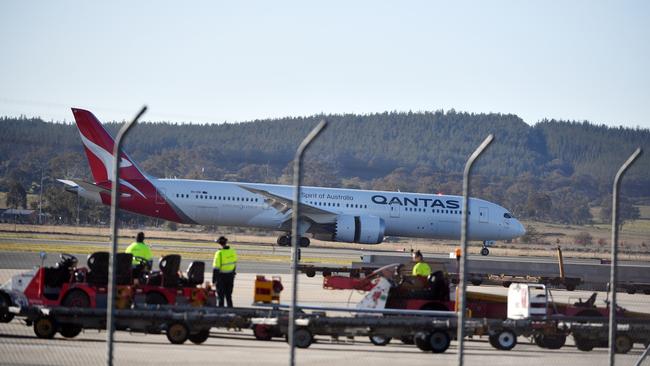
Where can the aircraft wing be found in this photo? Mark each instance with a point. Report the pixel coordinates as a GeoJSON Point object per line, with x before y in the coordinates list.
{"type": "Point", "coordinates": [284, 204]}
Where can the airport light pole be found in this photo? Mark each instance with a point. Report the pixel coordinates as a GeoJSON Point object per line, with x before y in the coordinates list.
{"type": "Point", "coordinates": [295, 237]}
{"type": "Point", "coordinates": [612, 279]}
{"type": "Point", "coordinates": [115, 194]}
{"type": "Point", "coordinates": [460, 299]}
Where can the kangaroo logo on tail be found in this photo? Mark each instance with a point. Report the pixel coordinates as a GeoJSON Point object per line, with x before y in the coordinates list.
{"type": "Point", "coordinates": [98, 145]}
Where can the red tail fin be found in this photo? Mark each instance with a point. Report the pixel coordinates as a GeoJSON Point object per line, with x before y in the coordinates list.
{"type": "Point", "coordinates": [98, 145]}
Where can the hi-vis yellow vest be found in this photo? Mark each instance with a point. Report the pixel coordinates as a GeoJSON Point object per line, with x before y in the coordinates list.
{"type": "Point", "coordinates": [141, 250]}
{"type": "Point", "coordinates": [225, 260]}
{"type": "Point", "coordinates": [421, 269]}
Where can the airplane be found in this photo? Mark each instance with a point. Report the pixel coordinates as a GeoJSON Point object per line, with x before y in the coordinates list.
{"type": "Point", "coordinates": [329, 214]}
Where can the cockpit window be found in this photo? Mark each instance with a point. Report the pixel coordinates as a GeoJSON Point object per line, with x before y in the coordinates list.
{"type": "Point", "coordinates": [507, 215]}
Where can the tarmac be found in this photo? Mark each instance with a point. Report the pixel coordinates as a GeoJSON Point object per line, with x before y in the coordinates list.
{"type": "Point", "coordinates": [19, 346]}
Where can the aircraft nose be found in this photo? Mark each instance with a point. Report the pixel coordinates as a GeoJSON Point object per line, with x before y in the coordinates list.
{"type": "Point", "coordinates": [519, 229]}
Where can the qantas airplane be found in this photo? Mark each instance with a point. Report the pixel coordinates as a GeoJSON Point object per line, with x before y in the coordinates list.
{"type": "Point", "coordinates": [341, 215]}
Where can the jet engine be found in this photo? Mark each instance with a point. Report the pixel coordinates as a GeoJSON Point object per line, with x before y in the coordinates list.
{"type": "Point", "coordinates": [359, 229]}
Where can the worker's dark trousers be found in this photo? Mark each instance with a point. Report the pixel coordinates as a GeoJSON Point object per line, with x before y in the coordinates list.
{"type": "Point", "coordinates": [224, 283]}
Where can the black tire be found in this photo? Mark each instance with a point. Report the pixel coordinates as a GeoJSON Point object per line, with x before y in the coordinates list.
{"type": "Point", "coordinates": [200, 337]}
{"type": "Point", "coordinates": [406, 340]}
{"type": "Point", "coordinates": [302, 338]}
{"type": "Point", "coordinates": [439, 341]}
{"type": "Point", "coordinates": [571, 287]}
{"type": "Point", "coordinates": [327, 273]}
{"type": "Point", "coordinates": [44, 327]}
{"type": "Point", "coordinates": [262, 332]}
{"type": "Point", "coordinates": [379, 340]}
{"type": "Point", "coordinates": [284, 241]}
{"type": "Point", "coordinates": [69, 330]}
{"type": "Point", "coordinates": [304, 242]}
{"type": "Point", "coordinates": [177, 333]}
{"type": "Point", "coordinates": [539, 340]}
{"type": "Point", "coordinates": [485, 251]}
{"type": "Point", "coordinates": [76, 299]}
{"type": "Point", "coordinates": [505, 339]}
{"type": "Point", "coordinates": [631, 290]}
{"type": "Point", "coordinates": [5, 303]}
{"type": "Point", "coordinates": [155, 298]}
{"type": "Point", "coordinates": [422, 341]}
{"type": "Point", "coordinates": [476, 282]}
{"type": "Point", "coordinates": [623, 344]}
{"type": "Point", "coordinates": [553, 341]}
{"type": "Point", "coordinates": [647, 292]}
{"type": "Point", "coordinates": [583, 344]}
{"type": "Point", "coordinates": [310, 273]}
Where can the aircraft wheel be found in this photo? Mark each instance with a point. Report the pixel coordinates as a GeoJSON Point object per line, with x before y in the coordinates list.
{"type": "Point", "coordinates": [284, 241]}
{"type": "Point", "coordinates": [379, 340]}
{"type": "Point", "coordinates": [485, 251]}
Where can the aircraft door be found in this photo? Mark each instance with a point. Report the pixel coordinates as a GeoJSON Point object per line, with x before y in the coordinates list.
{"type": "Point", "coordinates": [395, 210]}
{"type": "Point", "coordinates": [483, 215]}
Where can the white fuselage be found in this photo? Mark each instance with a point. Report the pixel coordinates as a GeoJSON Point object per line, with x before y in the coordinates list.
{"type": "Point", "coordinates": [404, 214]}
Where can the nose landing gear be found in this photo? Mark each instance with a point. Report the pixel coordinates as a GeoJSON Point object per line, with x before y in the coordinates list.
{"type": "Point", "coordinates": [487, 243]}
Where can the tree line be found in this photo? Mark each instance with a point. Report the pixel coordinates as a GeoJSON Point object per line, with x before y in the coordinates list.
{"type": "Point", "coordinates": [553, 171]}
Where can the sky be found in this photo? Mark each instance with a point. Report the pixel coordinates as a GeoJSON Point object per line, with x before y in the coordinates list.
{"type": "Point", "coordinates": [233, 61]}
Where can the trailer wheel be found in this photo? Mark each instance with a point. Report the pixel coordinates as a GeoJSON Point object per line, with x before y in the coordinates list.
{"type": "Point", "coordinates": [5, 303]}
{"type": "Point", "coordinates": [76, 299]}
{"type": "Point", "coordinates": [570, 287]}
{"type": "Point", "coordinates": [439, 341]}
{"type": "Point", "coordinates": [550, 341]}
{"type": "Point", "coordinates": [379, 340]}
{"type": "Point", "coordinates": [583, 344]}
{"type": "Point", "coordinates": [262, 332]}
{"type": "Point", "coordinates": [44, 327]}
{"type": "Point", "coordinates": [504, 340]}
{"type": "Point", "coordinates": [631, 290]}
{"type": "Point", "coordinates": [422, 341]}
{"type": "Point", "coordinates": [200, 337]}
{"type": "Point", "coordinates": [485, 251]}
{"type": "Point", "coordinates": [310, 273]}
{"type": "Point", "coordinates": [302, 338]}
{"type": "Point", "coordinates": [623, 343]}
{"type": "Point", "coordinates": [476, 282]}
{"type": "Point", "coordinates": [177, 333]}
{"type": "Point", "coordinates": [69, 330]}
{"type": "Point", "coordinates": [155, 298]}
{"type": "Point", "coordinates": [646, 291]}
{"type": "Point", "coordinates": [406, 340]}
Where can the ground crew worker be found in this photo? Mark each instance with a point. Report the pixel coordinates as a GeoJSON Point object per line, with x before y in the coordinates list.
{"type": "Point", "coordinates": [140, 250]}
{"type": "Point", "coordinates": [420, 268]}
{"type": "Point", "coordinates": [223, 272]}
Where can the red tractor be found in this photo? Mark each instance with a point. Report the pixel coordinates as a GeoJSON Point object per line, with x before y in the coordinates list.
{"type": "Point", "coordinates": [169, 286]}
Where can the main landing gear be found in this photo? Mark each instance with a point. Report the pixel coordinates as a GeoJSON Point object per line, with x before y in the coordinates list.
{"type": "Point", "coordinates": [285, 241]}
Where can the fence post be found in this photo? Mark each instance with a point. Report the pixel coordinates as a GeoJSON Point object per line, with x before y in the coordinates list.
{"type": "Point", "coordinates": [115, 194]}
{"type": "Point", "coordinates": [463, 246]}
{"type": "Point", "coordinates": [295, 237]}
{"type": "Point", "coordinates": [612, 279]}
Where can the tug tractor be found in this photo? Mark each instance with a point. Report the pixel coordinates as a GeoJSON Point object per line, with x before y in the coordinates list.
{"type": "Point", "coordinates": [69, 286]}
{"type": "Point", "coordinates": [168, 286]}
